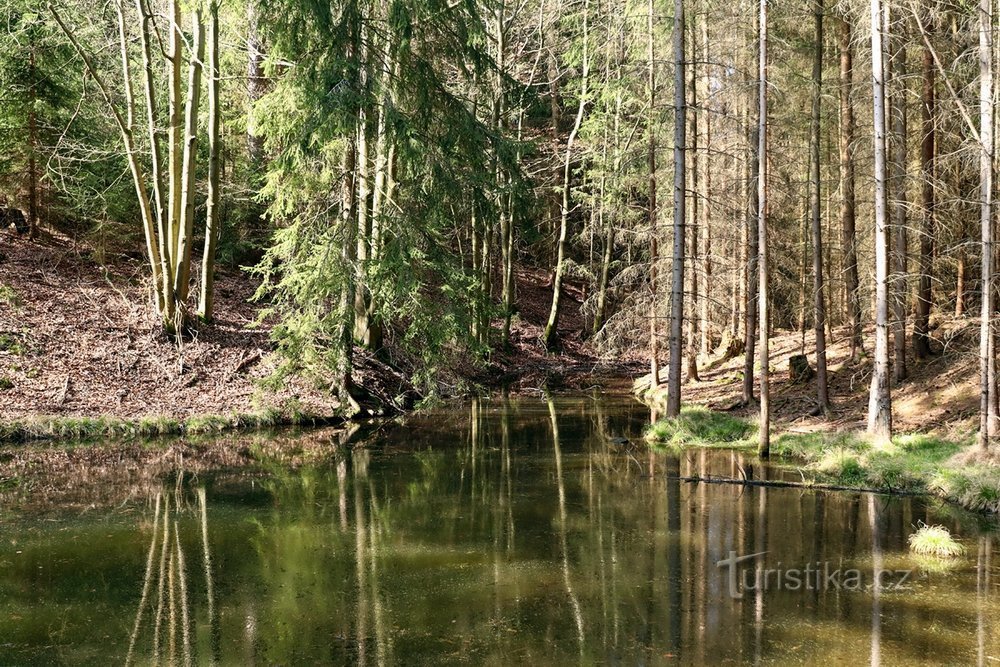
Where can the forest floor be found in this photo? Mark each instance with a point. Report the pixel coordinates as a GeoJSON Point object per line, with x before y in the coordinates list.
{"type": "Point", "coordinates": [79, 340]}
{"type": "Point", "coordinates": [940, 394]}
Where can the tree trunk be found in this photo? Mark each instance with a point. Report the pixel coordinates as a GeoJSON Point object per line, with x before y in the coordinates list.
{"type": "Point", "coordinates": [880, 400]}
{"type": "Point", "coordinates": [694, 218]}
{"type": "Point", "coordinates": [550, 335]}
{"type": "Point", "coordinates": [819, 312]}
{"type": "Point", "coordinates": [752, 214]}
{"type": "Point", "coordinates": [155, 145]}
{"type": "Point", "coordinates": [213, 226]}
{"type": "Point", "coordinates": [32, 143]}
{"type": "Point", "coordinates": [921, 321]}
{"type": "Point", "coordinates": [705, 188]}
{"type": "Point", "coordinates": [255, 83]}
{"type": "Point", "coordinates": [677, 271]}
{"type": "Point", "coordinates": [764, 428]}
{"type": "Point", "coordinates": [654, 362]}
{"type": "Point", "coordinates": [986, 365]}
{"type": "Point", "coordinates": [847, 207]}
{"type": "Point", "coordinates": [182, 274]}
{"type": "Point", "coordinates": [900, 292]}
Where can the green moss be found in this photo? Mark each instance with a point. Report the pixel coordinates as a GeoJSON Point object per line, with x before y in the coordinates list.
{"type": "Point", "coordinates": [92, 428]}
{"type": "Point", "coordinates": [12, 344]}
{"type": "Point", "coordinates": [698, 426]}
{"type": "Point", "coordinates": [6, 383]}
{"type": "Point", "coordinates": [9, 297]}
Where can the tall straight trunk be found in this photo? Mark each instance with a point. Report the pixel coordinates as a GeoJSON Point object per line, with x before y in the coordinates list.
{"type": "Point", "coordinates": [213, 226]}
{"type": "Point", "coordinates": [803, 268]}
{"type": "Point", "coordinates": [900, 295]}
{"type": "Point", "coordinates": [550, 335]}
{"type": "Point", "coordinates": [986, 352]}
{"type": "Point", "coordinates": [654, 362]}
{"type": "Point", "coordinates": [677, 270]}
{"type": "Point", "coordinates": [182, 275]}
{"type": "Point", "coordinates": [348, 255]}
{"type": "Point", "coordinates": [705, 187]}
{"type": "Point", "coordinates": [764, 429]}
{"type": "Point", "coordinates": [255, 82]}
{"type": "Point", "coordinates": [847, 206]}
{"type": "Point", "coordinates": [819, 306]}
{"type": "Point", "coordinates": [361, 293]}
{"type": "Point", "coordinates": [880, 399]}
{"type": "Point", "coordinates": [752, 214]}
{"type": "Point", "coordinates": [694, 218]}
{"type": "Point", "coordinates": [32, 141]}
{"type": "Point", "coordinates": [921, 320]}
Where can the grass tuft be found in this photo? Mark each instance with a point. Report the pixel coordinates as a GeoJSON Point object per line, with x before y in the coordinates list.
{"type": "Point", "coordinates": [698, 426]}
{"type": "Point", "coordinates": [935, 541]}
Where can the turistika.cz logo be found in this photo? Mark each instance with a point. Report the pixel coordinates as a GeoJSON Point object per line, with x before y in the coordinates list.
{"type": "Point", "coordinates": [747, 574]}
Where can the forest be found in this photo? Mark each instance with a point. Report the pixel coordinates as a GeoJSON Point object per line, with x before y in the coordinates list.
{"type": "Point", "coordinates": [491, 331]}
{"type": "Point", "coordinates": [383, 173]}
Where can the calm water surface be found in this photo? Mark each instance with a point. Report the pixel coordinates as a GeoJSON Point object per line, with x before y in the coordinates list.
{"type": "Point", "coordinates": [498, 533]}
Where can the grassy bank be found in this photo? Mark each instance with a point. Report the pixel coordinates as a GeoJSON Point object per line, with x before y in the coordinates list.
{"type": "Point", "coordinates": [921, 463]}
{"type": "Point", "coordinates": [94, 428]}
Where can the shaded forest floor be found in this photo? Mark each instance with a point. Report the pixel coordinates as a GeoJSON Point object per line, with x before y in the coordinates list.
{"type": "Point", "coordinates": [78, 339]}
{"type": "Point", "coordinates": [940, 394]}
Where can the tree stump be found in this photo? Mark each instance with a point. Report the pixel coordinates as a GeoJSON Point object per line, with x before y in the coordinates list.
{"type": "Point", "coordinates": [799, 369]}
{"type": "Point", "coordinates": [730, 346]}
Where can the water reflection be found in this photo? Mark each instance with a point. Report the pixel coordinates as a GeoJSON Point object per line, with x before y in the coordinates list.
{"type": "Point", "coordinates": [504, 532]}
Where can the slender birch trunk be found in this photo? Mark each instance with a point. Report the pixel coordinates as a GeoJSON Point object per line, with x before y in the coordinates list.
{"type": "Point", "coordinates": [551, 335]}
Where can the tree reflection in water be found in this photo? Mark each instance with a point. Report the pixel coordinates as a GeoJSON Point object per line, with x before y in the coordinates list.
{"type": "Point", "coordinates": [510, 531]}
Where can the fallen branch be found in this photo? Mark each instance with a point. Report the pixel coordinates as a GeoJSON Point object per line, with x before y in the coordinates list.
{"type": "Point", "coordinates": [786, 484]}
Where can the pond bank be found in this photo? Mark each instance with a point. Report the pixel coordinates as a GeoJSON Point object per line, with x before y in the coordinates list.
{"type": "Point", "coordinates": [912, 463]}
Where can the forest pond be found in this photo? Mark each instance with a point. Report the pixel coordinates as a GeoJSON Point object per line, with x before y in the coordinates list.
{"type": "Point", "coordinates": [499, 532]}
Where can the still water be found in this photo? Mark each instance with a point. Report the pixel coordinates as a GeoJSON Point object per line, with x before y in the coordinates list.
{"type": "Point", "coordinates": [502, 532]}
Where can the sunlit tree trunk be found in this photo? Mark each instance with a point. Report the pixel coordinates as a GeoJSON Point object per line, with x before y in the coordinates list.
{"type": "Point", "coordinates": [164, 291]}
{"type": "Point", "coordinates": [986, 351]}
{"type": "Point", "coordinates": [213, 225]}
{"type": "Point", "coordinates": [764, 428]}
{"type": "Point", "coordinates": [131, 151]}
{"type": "Point", "coordinates": [819, 307]}
{"type": "Point", "coordinates": [654, 362]}
{"type": "Point", "coordinates": [880, 400]}
{"type": "Point", "coordinates": [550, 334]}
{"type": "Point", "coordinates": [185, 227]}
{"type": "Point", "coordinates": [677, 271]}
